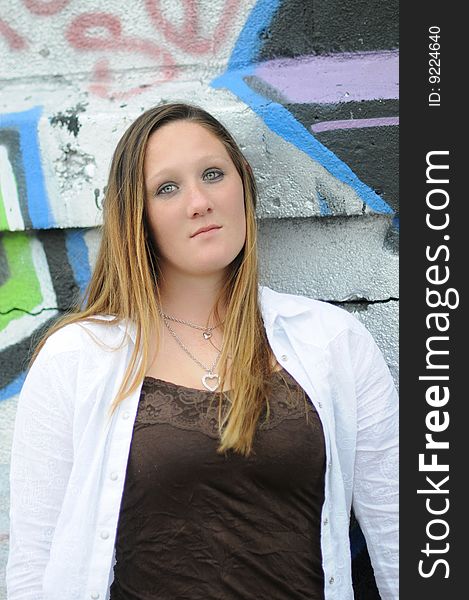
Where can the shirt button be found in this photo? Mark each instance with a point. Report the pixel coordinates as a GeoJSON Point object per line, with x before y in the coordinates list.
{"type": "Point", "coordinates": [326, 521]}
{"type": "Point", "coordinates": [331, 580]}
{"type": "Point", "coordinates": [94, 595]}
{"type": "Point", "coordinates": [104, 535]}
{"type": "Point", "coordinates": [329, 464]}
{"type": "Point", "coordinates": [126, 415]}
{"type": "Point", "coordinates": [284, 357]}
{"type": "Point", "coordinates": [320, 404]}
{"type": "Point", "coordinates": [114, 476]}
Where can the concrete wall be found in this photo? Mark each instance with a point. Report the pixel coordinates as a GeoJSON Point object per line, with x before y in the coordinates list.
{"type": "Point", "coordinates": [310, 91]}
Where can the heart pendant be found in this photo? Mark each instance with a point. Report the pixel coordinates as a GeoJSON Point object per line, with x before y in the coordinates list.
{"type": "Point", "coordinates": [207, 335]}
{"type": "Point", "coordinates": [211, 377]}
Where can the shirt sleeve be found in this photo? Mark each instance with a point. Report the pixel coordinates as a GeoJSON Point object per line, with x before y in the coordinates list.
{"type": "Point", "coordinates": [41, 462]}
{"type": "Point", "coordinates": [376, 474]}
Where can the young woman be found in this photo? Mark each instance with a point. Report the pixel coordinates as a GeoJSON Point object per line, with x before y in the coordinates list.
{"type": "Point", "coordinates": [187, 434]}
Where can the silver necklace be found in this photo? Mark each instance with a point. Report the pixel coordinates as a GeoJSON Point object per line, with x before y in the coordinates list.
{"type": "Point", "coordinates": [206, 331]}
{"type": "Point", "coordinates": [209, 374]}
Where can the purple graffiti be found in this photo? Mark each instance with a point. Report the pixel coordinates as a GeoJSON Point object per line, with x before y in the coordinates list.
{"type": "Point", "coordinates": [354, 124]}
{"type": "Point", "coordinates": [335, 78]}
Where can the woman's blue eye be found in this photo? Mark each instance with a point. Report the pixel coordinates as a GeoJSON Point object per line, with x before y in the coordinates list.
{"type": "Point", "coordinates": [213, 175]}
{"type": "Point", "coordinates": [209, 175]}
{"type": "Point", "coordinates": [167, 188]}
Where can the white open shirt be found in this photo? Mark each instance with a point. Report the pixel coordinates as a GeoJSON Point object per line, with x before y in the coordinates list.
{"type": "Point", "coordinates": [69, 459]}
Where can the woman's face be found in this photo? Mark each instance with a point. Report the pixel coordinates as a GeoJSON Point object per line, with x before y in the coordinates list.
{"type": "Point", "coordinates": [194, 200]}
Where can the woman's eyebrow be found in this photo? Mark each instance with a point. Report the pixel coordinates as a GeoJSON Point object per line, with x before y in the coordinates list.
{"type": "Point", "coordinates": [167, 171]}
{"type": "Point", "coordinates": [163, 174]}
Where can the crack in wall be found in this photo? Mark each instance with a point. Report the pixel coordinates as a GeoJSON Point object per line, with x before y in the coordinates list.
{"type": "Point", "coordinates": [361, 304]}
{"type": "Point", "coordinates": [28, 312]}
{"type": "Point", "coordinates": [364, 301]}
{"type": "Point", "coordinates": [354, 301]}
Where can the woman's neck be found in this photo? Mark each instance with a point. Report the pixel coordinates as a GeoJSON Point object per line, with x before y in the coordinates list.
{"type": "Point", "coordinates": [190, 298]}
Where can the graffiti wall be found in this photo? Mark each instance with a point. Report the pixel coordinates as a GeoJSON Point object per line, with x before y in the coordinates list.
{"type": "Point", "coordinates": [310, 91]}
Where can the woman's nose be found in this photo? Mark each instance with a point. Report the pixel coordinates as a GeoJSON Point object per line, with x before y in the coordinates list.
{"type": "Point", "coordinates": [199, 202]}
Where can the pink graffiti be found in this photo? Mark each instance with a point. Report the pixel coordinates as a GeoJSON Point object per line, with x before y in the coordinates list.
{"type": "Point", "coordinates": [14, 40]}
{"type": "Point", "coordinates": [82, 35]}
{"type": "Point", "coordinates": [101, 31]}
{"type": "Point", "coordinates": [47, 7]}
{"type": "Point", "coordinates": [102, 81]}
{"type": "Point", "coordinates": [188, 36]}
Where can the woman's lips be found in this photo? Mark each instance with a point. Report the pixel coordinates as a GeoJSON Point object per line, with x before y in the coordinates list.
{"type": "Point", "coordinates": [205, 230]}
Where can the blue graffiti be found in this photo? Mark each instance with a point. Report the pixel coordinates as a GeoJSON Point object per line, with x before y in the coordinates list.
{"type": "Point", "coordinates": [26, 123]}
{"type": "Point", "coordinates": [242, 64]}
{"type": "Point", "coordinates": [77, 254]}
{"type": "Point", "coordinates": [13, 387]}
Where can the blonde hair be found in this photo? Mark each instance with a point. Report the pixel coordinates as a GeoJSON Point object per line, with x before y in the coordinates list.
{"type": "Point", "coordinates": [124, 282]}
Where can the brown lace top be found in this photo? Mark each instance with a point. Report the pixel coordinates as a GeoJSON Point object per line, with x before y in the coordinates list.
{"type": "Point", "coordinates": [197, 525]}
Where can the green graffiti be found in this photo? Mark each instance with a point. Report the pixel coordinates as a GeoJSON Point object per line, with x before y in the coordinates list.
{"type": "Point", "coordinates": [3, 214]}
{"type": "Point", "coordinates": [22, 290]}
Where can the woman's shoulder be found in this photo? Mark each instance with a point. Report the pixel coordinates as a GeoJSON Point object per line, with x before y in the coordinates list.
{"type": "Point", "coordinates": [285, 304]}
{"type": "Point", "coordinates": [92, 334]}
{"type": "Point", "coordinates": [326, 318]}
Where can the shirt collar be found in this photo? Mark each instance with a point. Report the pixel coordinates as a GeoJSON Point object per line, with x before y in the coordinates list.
{"type": "Point", "coordinates": [275, 304]}
{"type": "Point", "coordinates": [126, 326]}
{"type": "Point", "coordinates": [129, 328]}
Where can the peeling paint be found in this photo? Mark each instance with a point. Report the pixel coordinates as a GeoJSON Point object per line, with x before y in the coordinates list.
{"type": "Point", "coordinates": [69, 118]}
{"type": "Point", "coordinates": [74, 167]}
